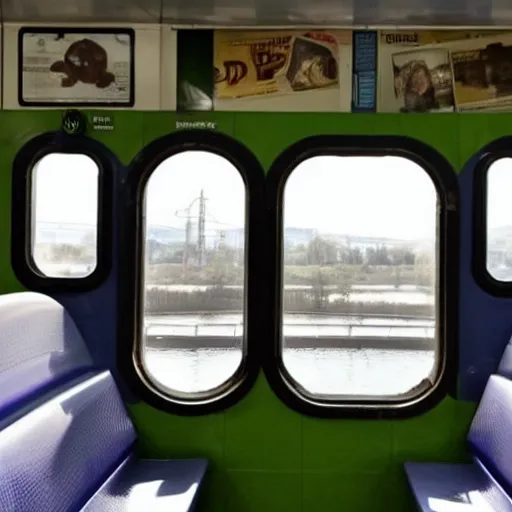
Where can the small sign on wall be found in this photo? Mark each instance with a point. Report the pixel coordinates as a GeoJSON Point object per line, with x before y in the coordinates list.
{"type": "Point", "coordinates": [364, 69]}
{"type": "Point", "coordinates": [79, 67]}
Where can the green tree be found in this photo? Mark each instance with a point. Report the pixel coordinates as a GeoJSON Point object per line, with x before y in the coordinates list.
{"type": "Point", "coordinates": [343, 279]}
{"type": "Point", "coordinates": [377, 255]}
{"type": "Point", "coordinates": [67, 252]}
{"type": "Point", "coordinates": [398, 276]}
{"type": "Point", "coordinates": [319, 290]}
{"type": "Point", "coordinates": [401, 256]}
{"type": "Point", "coordinates": [328, 281]}
{"type": "Point", "coordinates": [383, 255]}
{"type": "Point", "coordinates": [354, 256]}
{"type": "Point", "coordinates": [222, 262]}
{"type": "Point", "coordinates": [424, 269]}
{"type": "Point", "coordinates": [321, 252]}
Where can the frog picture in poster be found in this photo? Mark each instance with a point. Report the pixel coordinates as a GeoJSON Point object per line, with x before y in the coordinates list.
{"type": "Point", "coordinates": [77, 67]}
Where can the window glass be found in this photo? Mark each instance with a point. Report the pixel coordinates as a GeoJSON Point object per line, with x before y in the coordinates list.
{"type": "Point", "coordinates": [194, 273]}
{"type": "Point", "coordinates": [359, 277]}
{"type": "Point", "coordinates": [64, 225]}
{"type": "Point", "coordinates": [499, 220]}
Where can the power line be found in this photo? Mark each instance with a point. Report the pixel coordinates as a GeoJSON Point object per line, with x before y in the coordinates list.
{"type": "Point", "coordinates": [201, 242]}
{"type": "Point", "coordinates": [203, 212]}
{"type": "Point", "coordinates": [215, 221]}
{"type": "Point", "coordinates": [200, 230]}
{"type": "Point", "coordinates": [188, 229]}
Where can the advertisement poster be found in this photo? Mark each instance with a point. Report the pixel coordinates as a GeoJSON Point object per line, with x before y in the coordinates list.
{"type": "Point", "coordinates": [79, 68]}
{"type": "Point", "coordinates": [443, 71]}
{"type": "Point", "coordinates": [195, 70]}
{"type": "Point", "coordinates": [283, 70]}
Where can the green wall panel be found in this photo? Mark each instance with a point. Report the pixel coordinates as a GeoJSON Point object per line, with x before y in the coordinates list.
{"type": "Point", "coordinates": [126, 139]}
{"type": "Point", "coordinates": [478, 130]}
{"type": "Point", "coordinates": [16, 128]}
{"type": "Point", "coordinates": [269, 134]}
{"type": "Point", "coordinates": [158, 124]}
{"type": "Point", "coordinates": [265, 457]}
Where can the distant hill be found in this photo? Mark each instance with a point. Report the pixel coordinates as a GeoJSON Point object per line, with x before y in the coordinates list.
{"type": "Point", "coordinates": [63, 233]}
{"type": "Point", "coordinates": [165, 234]}
{"type": "Point", "coordinates": [51, 232]}
{"type": "Point", "coordinates": [292, 236]}
{"type": "Point", "coordinates": [298, 236]}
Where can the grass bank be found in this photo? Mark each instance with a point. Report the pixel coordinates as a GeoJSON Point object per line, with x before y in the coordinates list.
{"type": "Point", "coordinates": [161, 302]}
{"type": "Point", "coordinates": [172, 273]}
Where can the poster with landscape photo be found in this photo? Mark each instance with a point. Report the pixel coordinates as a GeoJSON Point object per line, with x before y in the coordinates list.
{"type": "Point", "coordinates": [76, 67]}
{"type": "Point", "coordinates": [483, 74]}
{"type": "Point", "coordinates": [423, 80]}
{"type": "Point", "coordinates": [287, 70]}
{"type": "Point", "coordinates": [417, 70]}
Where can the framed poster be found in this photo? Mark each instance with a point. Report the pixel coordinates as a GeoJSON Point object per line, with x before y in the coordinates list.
{"type": "Point", "coordinates": [76, 67]}
{"type": "Point", "coordinates": [445, 71]}
{"type": "Point", "coordinates": [283, 70]}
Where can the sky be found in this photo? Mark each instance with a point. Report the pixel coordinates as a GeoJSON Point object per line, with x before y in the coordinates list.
{"type": "Point", "coordinates": [65, 187]}
{"type": "Point", "coordinates": [362, 196]}
{"type": "Point", "coordinates": [365, 196]}
{"type": "Point", "coordinates": [499, 192]}
{"type": "Point", "coordinates": [177, 181]}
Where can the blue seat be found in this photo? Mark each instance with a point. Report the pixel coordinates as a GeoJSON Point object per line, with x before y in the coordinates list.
{"type": "Point", "coordinates": [66, 441]}
{"type": "Point", "coordinates": [505, 366]}
{"type": "Point", "coordinates": [486, 484]}
{"type": "Point", "coordinates": [455, 488]}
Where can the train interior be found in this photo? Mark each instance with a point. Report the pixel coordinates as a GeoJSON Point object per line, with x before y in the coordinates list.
{"type": "Point", "coordinates": [255, 256]}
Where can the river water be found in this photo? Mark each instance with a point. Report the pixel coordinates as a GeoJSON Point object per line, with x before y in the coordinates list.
{"type": "Point", "coordinates": [231, 325]}
{"type": "Point", "coordinates": [332, 371]}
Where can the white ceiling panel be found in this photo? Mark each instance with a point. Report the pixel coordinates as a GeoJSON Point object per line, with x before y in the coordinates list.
{"type": "Point", "coordinates": [78, 11]}
{"type": "Point", "coordinates": [254, 13]}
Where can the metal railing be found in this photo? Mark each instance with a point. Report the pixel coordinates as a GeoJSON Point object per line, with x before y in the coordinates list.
{"type": "Point", "coordinates": [353, 329]}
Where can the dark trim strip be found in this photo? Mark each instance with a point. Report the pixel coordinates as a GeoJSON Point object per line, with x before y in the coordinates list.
{"type": "Point", "coordinates": [22, 262]}
{"type": "Point", "coordinates": [446, 183]}
{"type": "Point", "coordinates": [130, 274]}
{"type": "Point", "coordinates": [61, 30]}
{"type": "Point", "coordinates": [489, 154]}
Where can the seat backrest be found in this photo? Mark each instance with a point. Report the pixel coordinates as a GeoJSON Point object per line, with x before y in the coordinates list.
{"type": "Point", "coordinates": [64, 428]}
{"type": "Point", "coordinates": [58, 455]}
{"type": "Point", "coordinates": [40, 348]}
{"type": "Point", "coordinates": [505, 366]}
{"type": "Point", "coordinates": [490, 435]}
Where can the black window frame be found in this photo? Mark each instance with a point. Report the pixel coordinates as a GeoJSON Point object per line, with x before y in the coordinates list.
{"type": "Point", "coordinates": [487, 156]}
{"type": "Point", "coordinates": [131, 270]}
{"type": "Point", "coordinates": [22, 261]}
{"type": "Point", "coordinates": [445, 181]}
